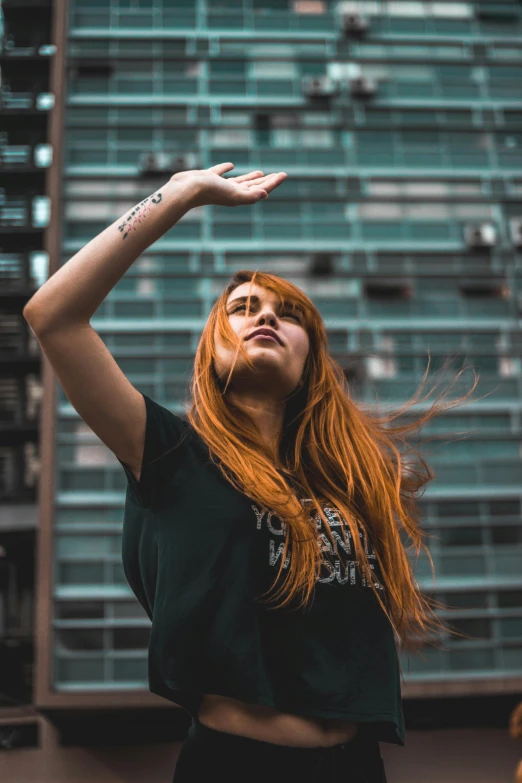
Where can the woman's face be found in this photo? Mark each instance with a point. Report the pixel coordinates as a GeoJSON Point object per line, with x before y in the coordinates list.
{"type": "Point", "coordinates": [279, 363]}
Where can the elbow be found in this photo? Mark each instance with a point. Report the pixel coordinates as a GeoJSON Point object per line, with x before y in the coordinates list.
{"type": "Point", "coordinates": [29, 314]}
{"type": "Point", "coordinates": [34, 319]}
{"type": "Point", "coordinates": [26, 312]}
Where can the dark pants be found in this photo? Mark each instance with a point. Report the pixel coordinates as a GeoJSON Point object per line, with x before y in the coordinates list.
{"type": "Point", "coordinates": [208, 755]}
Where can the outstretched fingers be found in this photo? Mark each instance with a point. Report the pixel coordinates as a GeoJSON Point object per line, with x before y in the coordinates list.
{"type": "Point", "coordinates": [221, 168]}
{"type": "Point", "coordinates": [266, 182]}
{"type": "Point", "coordinates": [250, 176]}
{"type": "Point", "coordinates": [260, 187]}
{"type": "Point", "coordinates": [269, 182]}
{"type": "Point", "coordinates": [253, 185]}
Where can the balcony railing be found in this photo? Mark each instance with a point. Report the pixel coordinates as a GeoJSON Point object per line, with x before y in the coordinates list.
{"type": "Point", "coordinates": [16, 156]}
{"type": "Point", "coordinates": [17, 100]}
{"type": "Point", "coordinates": [33, 99]}
{"type": "Point", "coordinates": [15, 213]}
{"type": "Point", "coordinates": [285, 23]}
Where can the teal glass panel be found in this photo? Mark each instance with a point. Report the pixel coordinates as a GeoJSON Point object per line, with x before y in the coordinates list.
{"type": "Point", "coordinates": [511, 628]}
{"type": "Point", "coordinates": [83, 156]}
{"type": "Point", "coordinates": [405, 26]}
{"type": "Point", "coordinates": [286, 231]}
{"type": "Point", "coordinates": [471, 660]}
{"type": "Point", "coordinates": [182, 18]}
{"type": "Point", "coordinates": [336, 308]}
{"type": "Point", "coordinates": [80, 573]}
{"type": "Point", "coordinates": [78, 670]}
{"type": "Point", "coordinates": [81, 639]}
{"type": "Point", "coordinates": [450, 27]}
{"type": "Point", "coordinates": [232, 232]}
{"type": "Point", "coordinates": [507, 562]}
{"type": "Point", "coordinates": [131, 670]}
{"type": "Point", "coordinates": [327, 231]}
{"type": "Point", "coordinates": [227, 87]}
{"type": "Point", "coordinates": [280, 88]}
{"type": "Point", "coordinates": [461, 565]}
{"type": "Point", "coordinates": [183, 309]}
{"type": "Point", "coordinates": [434, 231]}
{"type": "Point", "coordinates": [512, 657]}
{"type": "Point", "coordinates": [466, 600]}
{"type": "Point", "coordinates": [384, 231]}
{"type": "Point", "coordinates": [226, 21]}
{"type": "Point", "coordinates": [91, 18]}
{"type": "Point", "coordinates": [187, 229]}
{"type": "Point", "coordinates": [475, 627]}
{"type": "Point", "coordinates": [428, 661]}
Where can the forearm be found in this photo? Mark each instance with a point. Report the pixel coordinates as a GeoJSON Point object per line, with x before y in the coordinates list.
{"type": "Point", "coordinates": [76, 290]}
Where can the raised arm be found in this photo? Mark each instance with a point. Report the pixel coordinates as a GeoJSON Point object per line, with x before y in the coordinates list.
{"type": "Point", "coordinates": [76, 290]}
{"type": "Point", "coordinates": [60, 311]}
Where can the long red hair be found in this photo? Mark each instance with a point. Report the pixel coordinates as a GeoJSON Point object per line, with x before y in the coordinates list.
{"type": "Point", "coordinates": [336, 451]}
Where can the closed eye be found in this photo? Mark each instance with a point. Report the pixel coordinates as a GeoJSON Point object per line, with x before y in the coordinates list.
{"type": "Point", "coordinates": [287, 312]}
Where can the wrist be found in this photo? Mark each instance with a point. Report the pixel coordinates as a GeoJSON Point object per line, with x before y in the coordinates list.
{"type": "Point", "coordinates": [187, 189]}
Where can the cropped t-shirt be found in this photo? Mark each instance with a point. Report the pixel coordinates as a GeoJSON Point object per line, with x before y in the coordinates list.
{"type": "Point", "coordinates": [197, 554]}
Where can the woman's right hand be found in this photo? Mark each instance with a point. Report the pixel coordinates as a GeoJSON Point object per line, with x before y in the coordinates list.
{"type": "Point", "coordinates": [211, 188]}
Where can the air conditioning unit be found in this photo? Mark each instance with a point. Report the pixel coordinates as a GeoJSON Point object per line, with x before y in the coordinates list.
{"type": "Point", "coordinates": [354, 370]}
{"type": "Point", "coordinates": [186, 162]}
{"type": "Point", "coordinates": [388, 290]}
{"type": "Point", "coordinates": [322, 265]}
{"type": "Point", "coordinates": [481, 235]}
{"type": "Point", "coordinates": [354, 23]}
{"type": "Point", "coordinates": [362, 87]}
{"type": "Point", "coordinates": [154, 163]}
{"type": "Point", "coordinates": [489, 288]}
{"type": "Point", "coordinates": [165, 163]}
{"type": "Point", "coordinates": [319, 86]}
{"type": "Point", "coordinates": [515, 229]}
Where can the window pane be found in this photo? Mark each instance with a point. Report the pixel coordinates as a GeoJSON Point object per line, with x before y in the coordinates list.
{"type": "Point", "coordinates": [227, 137]}
{"type": "Point", "coordinates": [509, 599]}
{"type": "Point", "coordinates": [461, 536]}
{"type": "Point", "coordinates": [474, 600]}
{"type": "Point", "coordinates": [510, 628]}
{"type": "Point", "coordinates": [80, 573]}
{"type": "Point", "coordinates": [450, 510]}
{"type": "Point", "coordinates": [460, 660]}
{"type": "Point", "coordinates": [124, 609]}
{"type": "Point", "coordinates": [131, 638]}
{"type": "Point", "coordinates": [79, 639]}
{"type": "Point", "coordinates": [507, 535]}
{"type": "Point", "coordinates": [266, 69]}
{"type": "Point", "coordinates": [130, 670]}
{"type": "Point", "coordinates": [454, 10]}
{"type": "Point", "coordinates": [478, 628]}
{"type": "Point", "coordinates": [74, 670]}
{"type": "Point", "coordinates": [405, 9]}
{"type": "Point", "coordinates": [79, 610]}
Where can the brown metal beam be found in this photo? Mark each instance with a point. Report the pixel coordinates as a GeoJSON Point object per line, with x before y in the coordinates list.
{"type": "Point", "coordinates": [52, 244]}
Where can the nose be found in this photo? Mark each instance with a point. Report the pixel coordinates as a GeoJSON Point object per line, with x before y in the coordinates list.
{"type": "Point", "coordinates": [266, 317]}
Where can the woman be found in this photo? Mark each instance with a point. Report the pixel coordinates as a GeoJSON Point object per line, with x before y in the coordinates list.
{"type": "Point", "coordinates": [262, 535]}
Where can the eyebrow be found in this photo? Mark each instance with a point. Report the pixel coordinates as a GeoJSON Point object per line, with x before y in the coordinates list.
{"type": "Point", "coordinates": [255, 298]}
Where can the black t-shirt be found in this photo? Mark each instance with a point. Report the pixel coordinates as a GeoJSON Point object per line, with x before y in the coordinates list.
{"type": "Point", "coordinates": [198, 554]}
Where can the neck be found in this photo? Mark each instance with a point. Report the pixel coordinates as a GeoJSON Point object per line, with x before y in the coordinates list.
{"type": "Point", "coordinates": [266, 414]}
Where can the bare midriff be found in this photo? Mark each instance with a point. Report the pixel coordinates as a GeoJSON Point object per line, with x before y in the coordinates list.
{"type": "Point", "coordinates": [264, 723]}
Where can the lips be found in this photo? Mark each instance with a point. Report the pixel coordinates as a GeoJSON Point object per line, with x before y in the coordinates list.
{"type": "Point", "coordinates": [268, 332]}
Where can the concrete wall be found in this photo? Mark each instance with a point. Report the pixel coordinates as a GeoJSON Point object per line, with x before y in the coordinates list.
{"type": "Point", "coordinates": [436, 756]}
{"type": "Point", "coordinates": [453, 756]}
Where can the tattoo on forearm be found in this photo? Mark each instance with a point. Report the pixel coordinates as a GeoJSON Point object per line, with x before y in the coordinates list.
{"type": "Point", "coordinates": [138, 213]}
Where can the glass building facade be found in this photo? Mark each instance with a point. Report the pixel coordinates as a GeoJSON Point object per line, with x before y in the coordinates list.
{"type": "Point", "coordinates": [400, 127]}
